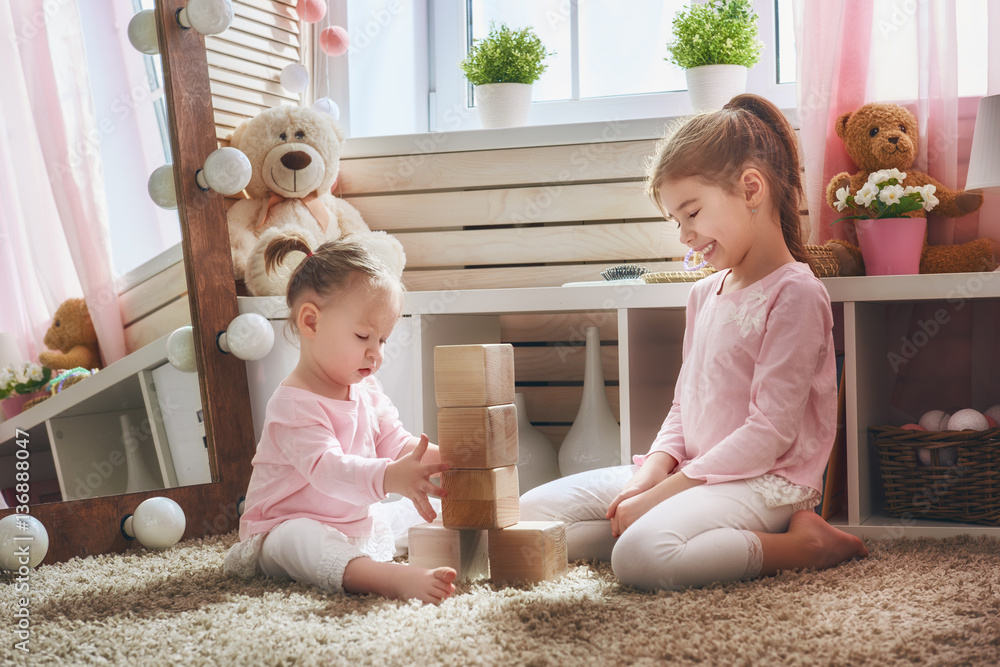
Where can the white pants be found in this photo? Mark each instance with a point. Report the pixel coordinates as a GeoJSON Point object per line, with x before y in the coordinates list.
{"type": "Point", "coordinates": [699, 536]}
{"type": "Point", "coordinates": [312, 552]}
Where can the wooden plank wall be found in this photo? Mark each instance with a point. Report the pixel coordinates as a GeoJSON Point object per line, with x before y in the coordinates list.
{"type": "Point", "coordinates": [523, 217]}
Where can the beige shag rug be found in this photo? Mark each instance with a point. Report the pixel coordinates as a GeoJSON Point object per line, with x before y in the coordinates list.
{"type": "Point", "coordinates": [919, 601]}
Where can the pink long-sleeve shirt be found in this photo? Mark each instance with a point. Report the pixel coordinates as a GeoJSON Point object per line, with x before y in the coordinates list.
{"type": "Point", "coordinates": [322, 459]}
{"type": "Point", "coordinates": [757, 390]}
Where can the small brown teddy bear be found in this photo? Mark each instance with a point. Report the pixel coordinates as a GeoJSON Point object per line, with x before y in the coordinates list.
{"type": "Point", "coordinates": [884, 136]}
{"type": "Point", "coordinates": [72, 333]}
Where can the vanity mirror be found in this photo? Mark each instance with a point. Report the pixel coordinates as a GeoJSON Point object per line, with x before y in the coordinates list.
{"type": "Point", "coordinates": [93, 525]}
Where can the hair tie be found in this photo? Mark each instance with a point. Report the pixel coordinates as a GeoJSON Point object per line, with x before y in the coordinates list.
{"type": "Point", "coordinates": [309, 254]}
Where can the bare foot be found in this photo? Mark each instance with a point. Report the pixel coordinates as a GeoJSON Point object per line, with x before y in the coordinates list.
{"type": "Point", "coordinates": [429, 586]}
{"type": "Point", "coordinates": [825, 545]}
{"type": "Point", "coordinates": [399, 581]}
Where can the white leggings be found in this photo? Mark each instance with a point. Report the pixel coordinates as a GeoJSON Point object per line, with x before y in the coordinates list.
{"type": "Point", "coordinates": [697, 537]}
{"type": "Point", "coordinates": [312, 552]}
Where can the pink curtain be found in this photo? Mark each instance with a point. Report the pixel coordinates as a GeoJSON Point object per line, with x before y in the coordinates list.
{"type": "Point", "coordinates": [832, 38]}
{"type": "Point", "coordinates": [65, 183]}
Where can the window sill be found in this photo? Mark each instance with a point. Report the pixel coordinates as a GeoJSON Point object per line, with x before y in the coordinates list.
{"type": "Point", "coordinates": [514, 137]}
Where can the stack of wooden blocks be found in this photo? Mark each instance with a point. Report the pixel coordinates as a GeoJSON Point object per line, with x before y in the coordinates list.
{"type": "Point", "coordinates": [480, 532]}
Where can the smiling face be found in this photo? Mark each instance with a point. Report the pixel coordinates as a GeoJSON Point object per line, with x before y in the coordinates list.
{"type": "Point", "coordinates": [343, 339]}
{"type": "Point", "coordinates": [712, 221]}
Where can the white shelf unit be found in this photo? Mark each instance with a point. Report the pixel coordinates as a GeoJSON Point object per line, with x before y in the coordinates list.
{"type": "Point", "coordinates": [650, 328]}
{"type": "Point", "coordinates": [75, 437]}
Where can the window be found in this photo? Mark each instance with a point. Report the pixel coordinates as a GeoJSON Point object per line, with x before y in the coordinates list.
{"type": "Point", "coordinates": [404, 78]}
{"type": "Point", "coordinates": [608, 62]}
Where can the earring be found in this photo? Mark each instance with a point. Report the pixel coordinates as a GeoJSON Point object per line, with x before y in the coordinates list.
{"type": "Point", "coordinates": [753, 210]}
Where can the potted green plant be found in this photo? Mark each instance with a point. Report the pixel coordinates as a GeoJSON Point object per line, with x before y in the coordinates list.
{"type": "Point", "coordinates": [716, 43]}
{"type": "Point", "coordinates": [502, 67]}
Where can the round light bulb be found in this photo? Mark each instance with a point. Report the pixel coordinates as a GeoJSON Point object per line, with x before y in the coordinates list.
{"type": "Point", "coordinates": [180, 350]}
{"type": "Point", "coordinates": [161, 187]}
{"type": "Point", "coordinates": [209, 17]}
{"type": "Point", "coordinates": [294, 78]}
{"type": "Point", "coordinates": [226, 170]}
{"type": "Point", "coordinates": [158, 523]}
{"type": "Point", "coordinates": [142, 32]}
{"type": "Point", "coordinates": [249, 337]}
{"type": "Point", "coordinates": [327, 106]}
{"type": "Point", "coordinates": [334, 41]}
{"type": "Point", "coordinates": [312, 11]}
{"type": "Point", "coordinates": [23, 542]}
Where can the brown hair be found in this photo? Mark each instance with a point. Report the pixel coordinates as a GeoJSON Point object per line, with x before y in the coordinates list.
{"type": "Point", "coordinates": [718, 146]}
{"type": "Point", "coordinates": [332, 267]}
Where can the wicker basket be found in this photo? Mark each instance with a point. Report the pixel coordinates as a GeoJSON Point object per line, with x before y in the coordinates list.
{"type": "Point", "coordinates": [962, 482]}
{"type": "Point", "coordinates": [678, 276]}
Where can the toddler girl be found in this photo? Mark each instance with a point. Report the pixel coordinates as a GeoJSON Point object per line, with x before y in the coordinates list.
{"type": "Point", "coordinates": [727, 488]}
{"type": "Point", "coordinates": [332, 445]}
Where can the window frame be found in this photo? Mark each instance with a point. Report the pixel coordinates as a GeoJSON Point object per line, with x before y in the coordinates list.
{"type": "Point", "coordinates": [448, 109]}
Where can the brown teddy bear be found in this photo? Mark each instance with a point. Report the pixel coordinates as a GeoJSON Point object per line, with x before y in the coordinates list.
{"type": "Point", "coordinates": [884, 136]}
{"type": "Point", "coordinates": [295, 156]}
{"type": "Point", "coordinates": [72, 333]}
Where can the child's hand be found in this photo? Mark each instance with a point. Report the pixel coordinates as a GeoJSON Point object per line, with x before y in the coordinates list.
{"type": "Point", "coordinates": [656, 469]}
{"type": "Point", "coordinates": [409, 477]}
{"type": "Point", "coordinates": [629, 511]}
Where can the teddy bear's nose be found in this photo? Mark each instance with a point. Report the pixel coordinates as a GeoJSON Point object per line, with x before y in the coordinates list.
{"type": "Point", "coordinates": [892, 140]}
{"type": "Point", "coordinates": [296, 160]}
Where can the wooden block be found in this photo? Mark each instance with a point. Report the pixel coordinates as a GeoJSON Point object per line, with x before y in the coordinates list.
{"type": "Point", "coordinates": [432, 545]}
{"type": "Point", "coordinates": [528, 551]}
{"type": "Point", "coordinates": [480, 498]}
{"type": "Point", "coordinates": [470, 376]}
{"type": "Point", "coordinates": [478, 437]}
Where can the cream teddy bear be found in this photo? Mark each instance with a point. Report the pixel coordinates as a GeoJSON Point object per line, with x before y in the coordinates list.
{"type": "Point", "coordinates": [295, 156]}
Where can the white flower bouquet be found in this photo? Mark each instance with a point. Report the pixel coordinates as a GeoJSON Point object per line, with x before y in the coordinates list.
{"type": "Point", "coordinates": [883, 196]}
{"type": "Point", "coordinates": [23, 378]}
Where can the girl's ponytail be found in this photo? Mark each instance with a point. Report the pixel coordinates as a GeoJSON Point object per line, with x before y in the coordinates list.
{"type": "Point", "coordinates": [787, 184]}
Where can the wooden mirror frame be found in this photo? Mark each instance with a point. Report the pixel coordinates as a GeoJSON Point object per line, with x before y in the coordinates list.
{"type": "Point", "coordinates": [93, 526]}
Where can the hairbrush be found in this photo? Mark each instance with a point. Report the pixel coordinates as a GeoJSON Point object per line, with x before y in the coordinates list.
{"type": "Point", "coordinates": [624, 272]}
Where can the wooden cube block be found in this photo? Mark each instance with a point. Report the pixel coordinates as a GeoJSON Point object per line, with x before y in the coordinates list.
{"type": "Point", "coordinates": [528, 551]}
{"type": "Point", "coordinates": [480, 498]}
{"type": "Point", "coordinates": [432, 545]}
{"type": "Point", "coordinates": [469, 376]}
{"type": "Point", "coordinates": [478, 437]}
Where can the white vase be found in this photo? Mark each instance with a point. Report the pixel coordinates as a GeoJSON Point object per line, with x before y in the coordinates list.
{"type": "Point", "coordinates": [594, 440]}
{"type": "Point", "coordinates": [503, 104]}
{"type": "Point", "coordinates": [711, 86]}
{"type": "Point", "coordinates": [537, 461]}
{"type": "Point", "coordinates": [139, 477]}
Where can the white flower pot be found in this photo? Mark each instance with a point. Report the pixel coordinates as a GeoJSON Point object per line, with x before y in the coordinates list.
{"type": "Point", "coordinates": [711, 86]}
{"type": "Point", "coordinates": [503, 104]}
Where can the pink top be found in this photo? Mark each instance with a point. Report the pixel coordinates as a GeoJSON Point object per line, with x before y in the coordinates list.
{"type": "Point", "coordinates": [322, 458]}
{"type": "Point", "coordinates": [757, 392]}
